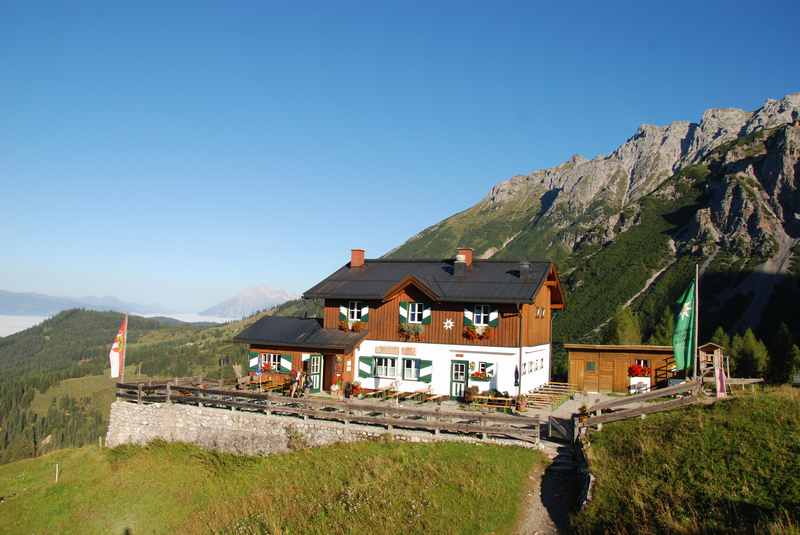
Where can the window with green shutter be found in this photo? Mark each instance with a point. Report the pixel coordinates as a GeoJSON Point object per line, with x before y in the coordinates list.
{"type": "Point", "coordinates": [411, 369]}
{"type": "Point", "coordinates": [425, 371]}
{"type": "Point", "coordinates": [403, 312]}
{"type": "Point", "coordinates": [365, 367]}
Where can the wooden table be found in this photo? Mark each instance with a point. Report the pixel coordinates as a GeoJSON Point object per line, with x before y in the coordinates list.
{"type": "Point", "coordinates": [490, 401]}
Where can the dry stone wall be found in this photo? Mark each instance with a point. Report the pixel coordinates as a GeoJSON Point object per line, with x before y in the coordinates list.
{"type": "Point", "coordinates": [245, 432]}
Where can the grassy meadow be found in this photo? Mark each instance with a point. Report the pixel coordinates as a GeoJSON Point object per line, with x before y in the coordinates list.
{"type": "Point", "coordinates": [370, 487]}
{"type": "Point", "coordinates": [731, 467]}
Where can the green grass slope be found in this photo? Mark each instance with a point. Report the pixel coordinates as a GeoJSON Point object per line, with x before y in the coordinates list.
{"type": "Point", "coordinates": [732, 467]}
{"type": "Point", "coordinates": [371, 487]}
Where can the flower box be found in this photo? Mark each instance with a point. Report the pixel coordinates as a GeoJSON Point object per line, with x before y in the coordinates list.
{"type": "Point", "coordinates": [639, 384]}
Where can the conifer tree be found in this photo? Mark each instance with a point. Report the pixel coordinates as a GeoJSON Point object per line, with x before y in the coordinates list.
{"type": "Point", "coordinates": [662, 334]}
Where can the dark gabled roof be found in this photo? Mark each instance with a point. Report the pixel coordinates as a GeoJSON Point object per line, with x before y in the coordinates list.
{"type": "Point", "coordinates": [302, 333]}
{"type": "Point", "coordinates": [487, 280]}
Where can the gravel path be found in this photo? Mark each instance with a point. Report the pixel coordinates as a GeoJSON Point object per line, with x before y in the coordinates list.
{"type": "Point", "coordinates": [549, 497]}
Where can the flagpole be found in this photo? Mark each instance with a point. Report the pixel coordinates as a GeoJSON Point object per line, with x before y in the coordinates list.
{"type": "Point", "coordinates": [124, 348]}
{"type": "Point", "coordinates": [696, 317]}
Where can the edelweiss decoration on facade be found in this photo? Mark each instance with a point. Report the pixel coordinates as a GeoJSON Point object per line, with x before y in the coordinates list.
{"type": "Point", "coordinates": [448, 324]}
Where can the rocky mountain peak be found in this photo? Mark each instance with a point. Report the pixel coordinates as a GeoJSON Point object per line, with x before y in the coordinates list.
{"type": "Point", "coordinates": [638, 166]}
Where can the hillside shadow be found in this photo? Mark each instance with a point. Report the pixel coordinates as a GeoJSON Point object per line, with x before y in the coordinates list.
{"type": "Point", "coordinates": [545, 203]}
{"type": "Point", "coordinates": [755, 299]}
{"type": "Point", "coordinates": [559, 492]}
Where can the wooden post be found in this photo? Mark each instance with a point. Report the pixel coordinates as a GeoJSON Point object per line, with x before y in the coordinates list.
{"type": "Point", "coordinates": [56, 472]}
{"type": "Point", "coordinates": [169, 394]}
{"type": "Point", "coordinates": [139, 394]}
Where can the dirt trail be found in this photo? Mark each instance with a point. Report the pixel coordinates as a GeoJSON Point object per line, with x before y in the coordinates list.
{"type": "Point", "coordinates": [550, 496]}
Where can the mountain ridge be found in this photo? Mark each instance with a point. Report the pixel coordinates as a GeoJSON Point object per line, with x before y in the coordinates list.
{"type": "Point", "coordinates": [249, 301]}
{"type": "Point", "coordinates": [39, 304]}
{"type": "Point", "coordinates": [721, 192]}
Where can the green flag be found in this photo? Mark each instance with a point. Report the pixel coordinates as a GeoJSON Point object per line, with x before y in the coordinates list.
{"type": "Point", "coordinates": [683, 338]}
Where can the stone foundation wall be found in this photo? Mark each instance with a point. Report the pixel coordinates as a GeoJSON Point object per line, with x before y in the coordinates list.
{"type": "Point", "coordinates": [245, 432]}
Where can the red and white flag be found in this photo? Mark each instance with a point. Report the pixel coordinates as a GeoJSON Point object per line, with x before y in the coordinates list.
{"type": "Point", "coordinates": [117, 355]}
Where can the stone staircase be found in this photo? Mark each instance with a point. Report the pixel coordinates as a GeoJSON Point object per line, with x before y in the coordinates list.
{"type": "Point", "coordinates": [564, 461]}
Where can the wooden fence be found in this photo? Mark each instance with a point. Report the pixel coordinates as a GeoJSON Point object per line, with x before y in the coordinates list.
{"type": "Point", "coordinates": [385, 414]}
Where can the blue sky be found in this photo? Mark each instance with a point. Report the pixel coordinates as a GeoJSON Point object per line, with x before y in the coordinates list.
{"type": "Point", "coordinates": [178, 153]}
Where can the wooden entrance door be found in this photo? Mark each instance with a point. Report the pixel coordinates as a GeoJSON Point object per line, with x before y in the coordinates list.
{"type": "Point", "coordinates": [590, 373]}
{"type": "Point", "coordinates": [315, 372]}
{"type": "Point", "coordinates": [328, 372]}
{"type": "Point", "coordinates": [606, 377]}
{"type": "Point", "coordinates": [458, 378]}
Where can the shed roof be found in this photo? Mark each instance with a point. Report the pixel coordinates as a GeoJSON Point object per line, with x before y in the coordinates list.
{"type": "Point", "coordinates": [487, 280]}
{"type": "Point", "coordinates": [627, 347]}
{"type": "Point", "coordinates": [303, 333]}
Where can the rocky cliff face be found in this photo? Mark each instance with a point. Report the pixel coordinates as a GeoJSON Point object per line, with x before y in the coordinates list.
{"type": "Point", "coordinates": [723, 191]}
{"type": "Point", "coordinates": [640, 165]}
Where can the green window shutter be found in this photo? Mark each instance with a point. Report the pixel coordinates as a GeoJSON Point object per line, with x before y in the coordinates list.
{"type": "Point", "coordinates": [426, 314]}
{"type": "Point", "coordinates": [425, 370]}
{"type": "Point", "coordinates": [469, 319]}
{"type": "Point", "coordinates": [342, 313]}
{"type": "Point", "coordinates": [490, 369]}
{"type": "Point", "coordinates": [494, 318]}
{"type": "Point", "coordinates": [253, 361]}
{"type": "Point", "coordinates": [286, 364]}
{"type": "Point", "coordinates": [365, 313]}
{"type": "Point", "coordinates": [365, 367]}
{"type": "Point", "coordinates": [403, 312]}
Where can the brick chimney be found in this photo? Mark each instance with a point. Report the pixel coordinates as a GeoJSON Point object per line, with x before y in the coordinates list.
{"type": "Point", "coordinates": [356, 258]}
{"type": "Point", "coordinates": [465, 252]}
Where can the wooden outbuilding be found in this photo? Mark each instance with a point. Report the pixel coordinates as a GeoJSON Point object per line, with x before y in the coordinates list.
{"type": "Point", "coordinates": [604, 368]}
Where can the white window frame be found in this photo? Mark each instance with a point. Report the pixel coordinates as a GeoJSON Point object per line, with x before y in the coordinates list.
{"type": "Point", "coordinates": [482, 367]}
{"type": "Point", "coordinates": [414, 376]}
{"type": "Point", "coordinates": [415, 310]}
{"type": "Point", "coordinates": [480, 315]}
{"type": "Point", "coordinates": [643, 362]}
{"type": "Point", "coordinates": [459, 376]}
{"type": "Point", "coordinates": [354, 310]}
{"type": "Point", "coordinates": [273, 360]}
{"type": "Point", "coordinates": [382, 368]}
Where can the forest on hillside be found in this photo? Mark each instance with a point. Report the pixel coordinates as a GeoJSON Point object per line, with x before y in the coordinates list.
{"type": "Point", "coordinates": [75, 344]}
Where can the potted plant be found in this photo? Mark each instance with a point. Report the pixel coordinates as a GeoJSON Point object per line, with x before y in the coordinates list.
{"type": "Point", "coordinates": [470, 333]}
{"type": "Point", "coordinates": [479, 376]}
{"type": "Point", "coordinates": [639, 377]}
{"type": "Point", "coordinates": [482, 332]}
{"type": "Point", "coordinates": [411, 331]}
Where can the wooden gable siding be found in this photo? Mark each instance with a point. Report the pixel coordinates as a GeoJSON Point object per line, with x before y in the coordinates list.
{"type": "Point", "coordinates": [384, 321]}
{"type": "Point", "coordinates": [537, 330]}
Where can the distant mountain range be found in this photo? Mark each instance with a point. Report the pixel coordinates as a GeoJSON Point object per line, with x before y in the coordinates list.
{"type": "Point", "coordinates": [248, 301]}
{"type": "Point", "coordinates": [34, 304]}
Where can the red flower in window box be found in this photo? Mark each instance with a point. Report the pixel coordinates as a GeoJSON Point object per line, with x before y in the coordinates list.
{"type": "Point", "coordinates": [637, 370]}
{"type": "Point", "coordinates": [474, 333]}
{"type": "Point", "coordinates": [479, 376]}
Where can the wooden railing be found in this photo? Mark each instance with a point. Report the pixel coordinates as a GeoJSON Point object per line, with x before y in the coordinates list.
{"type": "Point", "coordinates": [350, 411]}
